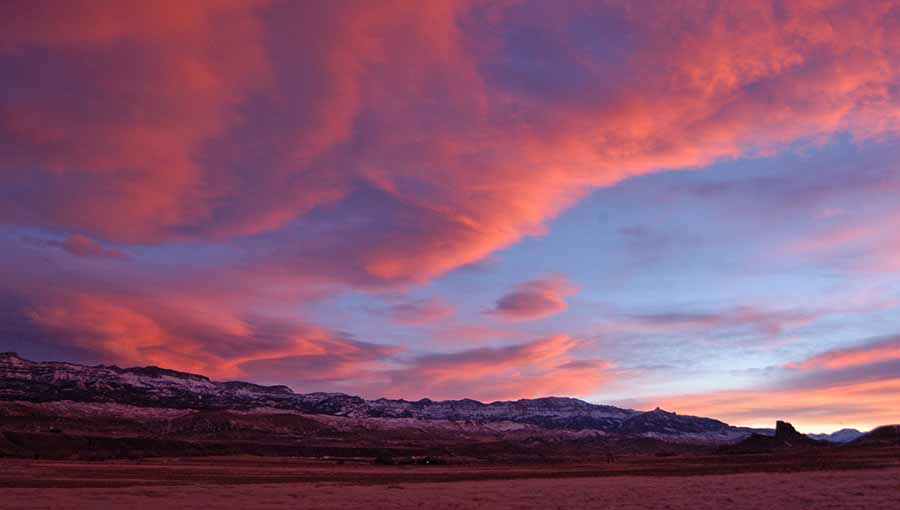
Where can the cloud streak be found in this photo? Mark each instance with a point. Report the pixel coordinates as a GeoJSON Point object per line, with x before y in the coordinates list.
{"type": "Point", "coordinates": [766, 322]}
{"type": "Point", "coordinates": [420, 311]}
{"type": "Point", "coordinates": [539, 368]}
{"type": "Point", "coordinates": [882, 349]}
{"type": "Point", "coordinates": [843, 386]}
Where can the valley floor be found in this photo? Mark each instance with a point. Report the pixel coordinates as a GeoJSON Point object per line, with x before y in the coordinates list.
{"type": "Point", "coordinates": [249, 482]}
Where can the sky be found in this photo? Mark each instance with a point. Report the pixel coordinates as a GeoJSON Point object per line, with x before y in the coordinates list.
{"type": "Point", "coordinates": [690, 205]}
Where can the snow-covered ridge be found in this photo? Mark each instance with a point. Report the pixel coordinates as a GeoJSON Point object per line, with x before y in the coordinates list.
{"type": "Point", "coordinates": [24, 380]}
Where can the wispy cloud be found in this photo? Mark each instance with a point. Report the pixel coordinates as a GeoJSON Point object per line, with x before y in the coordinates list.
{"type": "Point", "coordinates": [542, 367]}
{"type": "Point", "coordinates": [419, 311]}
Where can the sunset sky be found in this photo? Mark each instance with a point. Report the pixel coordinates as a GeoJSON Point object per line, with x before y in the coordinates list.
{"type": "Point", "coordinates": [689, 205]}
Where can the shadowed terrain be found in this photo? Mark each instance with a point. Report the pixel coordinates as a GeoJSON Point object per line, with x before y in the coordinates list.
{"type": "Point", "coordinates": [69, 438]}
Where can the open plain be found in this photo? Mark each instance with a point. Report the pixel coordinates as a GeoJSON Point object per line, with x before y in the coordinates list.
{"type": "Point", "coordinates": [863, 478]}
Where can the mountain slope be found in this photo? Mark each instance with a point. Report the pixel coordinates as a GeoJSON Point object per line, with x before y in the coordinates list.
{"type": "Point", "coordinates": [886, 435]}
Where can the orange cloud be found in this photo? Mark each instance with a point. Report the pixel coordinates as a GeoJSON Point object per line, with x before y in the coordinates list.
{"type": "Point", "coordinates": [534, 299]}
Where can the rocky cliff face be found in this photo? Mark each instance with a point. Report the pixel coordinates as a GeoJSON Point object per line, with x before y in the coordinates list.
{"type": "Point", "coordinates": [786, 434]}
{"type": "Point", "coordinates": [23, 380]}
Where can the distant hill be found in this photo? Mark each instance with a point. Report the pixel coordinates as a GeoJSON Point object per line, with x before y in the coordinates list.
{"type": "Point", "coordinates": [887, 435]}
{"type": "Point", "coordinates": [841, 436]}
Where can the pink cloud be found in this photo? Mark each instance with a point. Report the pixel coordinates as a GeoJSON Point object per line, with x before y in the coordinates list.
{"type": "Point", "coordinates": [854, 387]}
{"type": "Point", "coordinates": [863, 404]}
{"type": "Point", "coordinates": [467, 152]}
{"type": "Point", "coordinates": [539, 368]}
{"type": "Point", "coordinates": [871, 240]}
{"type": "Point", "coordinates": [145, 85]}
{"type": "Point", "coordinates": [82, 246]}
{"type": "Point", "coordinates": [534, 299]}
{"type": "Point", "coordinates": [219, 335]}
{"type": "Point", "coordinates": [868, 353]}
{"type": "Point", "coordinates": [130, 330]}
{"type": "Point", "coordinates": [79, 246]}
{"type": "Point", "coordinates": [333, 144]}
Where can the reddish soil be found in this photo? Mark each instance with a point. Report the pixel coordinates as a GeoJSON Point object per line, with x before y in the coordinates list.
{"type": "Point", "coordinates": [860, 478]}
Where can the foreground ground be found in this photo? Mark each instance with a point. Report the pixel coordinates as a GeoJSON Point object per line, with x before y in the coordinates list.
{"type": "Point", "coordinates": [863, 480]}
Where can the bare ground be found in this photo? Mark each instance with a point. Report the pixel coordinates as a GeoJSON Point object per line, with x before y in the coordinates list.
{"type": "Point", "coordinates": [742, 482]}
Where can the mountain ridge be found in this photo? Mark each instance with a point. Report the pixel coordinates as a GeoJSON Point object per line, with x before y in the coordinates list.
{"type": "Point", "coordinates": [25, 380]}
